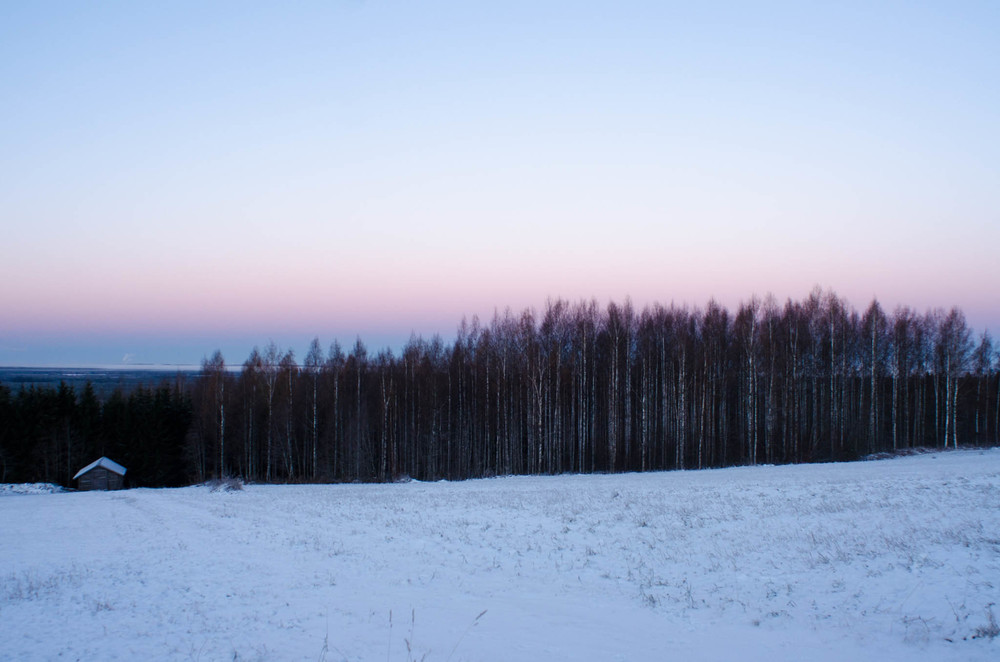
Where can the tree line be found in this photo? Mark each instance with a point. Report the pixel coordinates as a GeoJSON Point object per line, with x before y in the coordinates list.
{"type": "Point", "coordinates": [48, 434]}
{"type": "Point", "coordinates": [574, 388]}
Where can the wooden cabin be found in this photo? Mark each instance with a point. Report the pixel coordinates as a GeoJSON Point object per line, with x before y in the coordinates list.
{"type": "Point", "coordinates": [102, 474]}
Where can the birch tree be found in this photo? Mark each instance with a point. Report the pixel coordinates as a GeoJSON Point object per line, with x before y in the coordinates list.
{"type": "Point", "coordinates": [954, 350]}
{"type": "Point", "coordinates": [214, 377]}
{"type": "Point", "coordinates": [313, 366]}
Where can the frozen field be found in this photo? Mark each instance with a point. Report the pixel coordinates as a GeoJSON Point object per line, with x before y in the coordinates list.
{"type": "Point", "coordinates": [890, 560]}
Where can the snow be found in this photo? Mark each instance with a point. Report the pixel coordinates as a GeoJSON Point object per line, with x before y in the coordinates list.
{"type": "Point", "coordinates": [110, 465]}
{"type": "Point", "coordinates": [9, 489]}
{"type": "Point", "coordinates": [889, 560]}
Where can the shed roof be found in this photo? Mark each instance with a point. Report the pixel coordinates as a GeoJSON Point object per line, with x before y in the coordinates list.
{"type": "Point", "coordinates": [110, 465]}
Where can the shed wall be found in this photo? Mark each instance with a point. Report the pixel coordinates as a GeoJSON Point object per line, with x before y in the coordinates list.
{"type": "Point", "coordinates": [100, 478]}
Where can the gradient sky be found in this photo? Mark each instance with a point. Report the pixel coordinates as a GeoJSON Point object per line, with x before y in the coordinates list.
{"type": "Point", "coordinates": [180, 177]}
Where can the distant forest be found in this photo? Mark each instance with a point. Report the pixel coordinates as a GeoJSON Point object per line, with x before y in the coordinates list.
{"type": "Point", "coordinates": [575, 388]}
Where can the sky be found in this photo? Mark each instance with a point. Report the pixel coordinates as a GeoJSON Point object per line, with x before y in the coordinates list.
{"type": "Point", "coordinates": [177, 178]}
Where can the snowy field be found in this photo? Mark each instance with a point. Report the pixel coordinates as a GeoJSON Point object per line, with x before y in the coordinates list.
{"type": "Point", "coordinates": [889, 560]}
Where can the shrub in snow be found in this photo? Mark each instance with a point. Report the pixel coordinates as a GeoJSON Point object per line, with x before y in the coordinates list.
{"type": "Point", "coordinates": [228, 484]}
{"type": "Point", "coordinates": [990, 630]}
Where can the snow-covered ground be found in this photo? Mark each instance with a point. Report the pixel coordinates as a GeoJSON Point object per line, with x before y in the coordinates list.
{"type": "Point", "coordinates": [890, 560]}
{"type": "Point", "coordinates": [9, 489]}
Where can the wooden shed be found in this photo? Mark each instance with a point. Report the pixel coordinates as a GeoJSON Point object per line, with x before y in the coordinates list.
{"type": "Point", "coordinates": [102, 474]}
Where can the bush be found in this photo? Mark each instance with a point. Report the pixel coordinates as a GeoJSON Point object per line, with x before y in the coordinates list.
{"type": "Point", "coordinates": [228, 484]}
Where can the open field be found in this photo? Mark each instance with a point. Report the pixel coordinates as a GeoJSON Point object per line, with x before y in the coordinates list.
{"type": "Point", "coordinates": [889, 560]}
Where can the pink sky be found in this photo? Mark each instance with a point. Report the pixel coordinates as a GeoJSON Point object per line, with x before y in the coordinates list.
{"type": "Point", "coordinates": [170, 185]}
